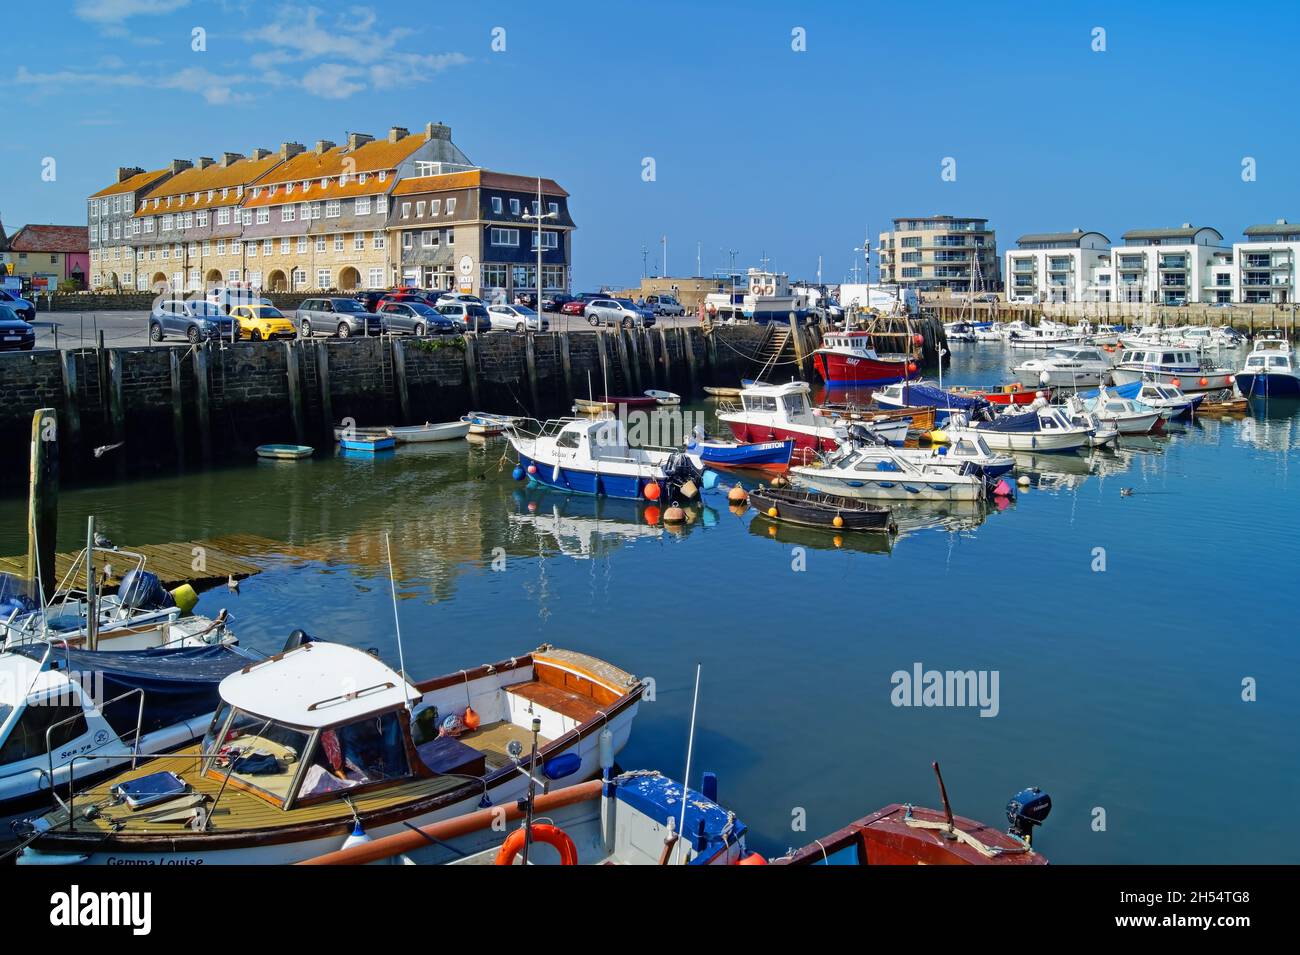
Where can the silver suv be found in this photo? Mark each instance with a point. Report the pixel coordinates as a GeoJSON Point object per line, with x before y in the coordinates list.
{"type": "Point", "coordinates": [336, 316]}
{"type": "Point", "coordinates": [664, 305]}
{"type": "Point", "coordinates": [193, 320]}
{"type": "Point", "coordinates": [618, 311]}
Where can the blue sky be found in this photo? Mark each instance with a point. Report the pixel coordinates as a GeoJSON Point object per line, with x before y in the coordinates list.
{"type": "Point", "coordinates": [757, 147]}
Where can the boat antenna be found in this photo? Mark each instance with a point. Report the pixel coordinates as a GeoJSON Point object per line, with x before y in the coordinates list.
{"type": "Point", "coordinates": [690, 750]}
{"type": "Point", "coordinates": [397, 622]}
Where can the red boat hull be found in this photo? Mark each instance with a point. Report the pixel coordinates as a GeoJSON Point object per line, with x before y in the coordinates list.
{"type": "Point", "coordinates": [1023, 397]}
{"type": "Point", "coordinates": [840, 369]}
{"type": "Point", "coordinates": [631, 401]}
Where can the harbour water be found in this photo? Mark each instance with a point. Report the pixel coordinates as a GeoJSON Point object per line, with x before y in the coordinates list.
{"type": "Point", "coordinates": [1120, 626]}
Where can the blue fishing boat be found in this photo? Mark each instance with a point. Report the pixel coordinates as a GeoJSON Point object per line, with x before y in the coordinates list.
{"type": "Point", "coordinates": [1270, 370]}
{"type": "Point", "coordinates": [764, 455]}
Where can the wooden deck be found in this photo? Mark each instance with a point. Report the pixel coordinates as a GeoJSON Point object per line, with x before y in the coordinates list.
{"type": "Point", "coordinates": [174, 563]}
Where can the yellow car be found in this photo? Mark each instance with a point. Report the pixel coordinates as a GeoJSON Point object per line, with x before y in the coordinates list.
{"type": "Point", "coordinates": [262, 323]}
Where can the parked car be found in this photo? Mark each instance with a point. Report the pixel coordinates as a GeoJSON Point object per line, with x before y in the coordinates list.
{"type": "Point", "coordinates": [472, 316]}
{"type": "Point", "coordinates": [262, 323]}
{"type": "Point", "coordinates": [618, 311]}
{"type": "Point", "coordinates": [192, 320]}
{"type": "Point", "coordinates": [228, 298]}
{"type": "Point", "coordinates": [337, 315]}
{"type": "Point", "coordinates": [15, 334]}
{"type": "Point", "coordinates": [371, 298]}
{"type": "Point", "coordinates": [524, 297]}
{"type": "Point", "coordinates": [19, 306]}
{"type": "Point", "coordinates": [517, 318]}
{"type": "Point", "coordinates": [415, 318]}
{"type": "Point", "coordinates": [447, 297]}
{"type": "Point", "coordinates": [664, 305]}
{"type": "Point", "coordinates": [574, 306]}
{"type": "Point", "coordinates": [555, 301]}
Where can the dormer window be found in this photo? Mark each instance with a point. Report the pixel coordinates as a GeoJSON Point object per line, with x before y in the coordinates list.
{"type": "Point", "coordinates": [324, 183]}
{"type": "Point", "coordinates": [361, 178]}
{"type": "Point", "coordinates": [383, 175]}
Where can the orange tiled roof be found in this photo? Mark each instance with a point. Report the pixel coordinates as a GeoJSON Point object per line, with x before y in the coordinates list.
{"type": "Point", "coordinates": [275, 195]}
{"type": "Point", "coordinates": [371, 157]}
{"type": "Point", "coordinates": [182, 187]}
{"type": "Point", "coordinates": [476, 177]}
{"type": "Point", "coordinates": [138, 181]}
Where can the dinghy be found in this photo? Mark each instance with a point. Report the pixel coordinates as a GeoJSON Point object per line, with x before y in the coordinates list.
{"type": "Point", "coordinates": [718, 392]}
{"type": "Point", "coordinates": [588, 407]}
{"type": "Point", "coordinates": [484, 423]}
{"type": "Point", "coordinates": [323, 739]}
{"type": "Point", "coordinates": [663, 397]}
{"type": "Point", "coordinates": [629, 401]}
{"type": "Point", "coordinates": [856, 472]}
{"type": "Point", "coordinates": [284, 452]}
{"type": "Point", "coordinates": [765, 455]}
{"type": "Point", "coordinates": [422, 433]}
{"type": "Point", "coordinates": [817, 509]}
{"type": "Point", "coordinates": [368, 443]}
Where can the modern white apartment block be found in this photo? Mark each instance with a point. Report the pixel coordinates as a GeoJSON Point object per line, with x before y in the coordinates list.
{"type": "Point", "coordinates": [1060, 267]}
{"type": "Point", "coordinates": [940, 253]}
{"type": "Point", "coordinates": [1169, 266]}
{"type": "Point", "coordinates": [1263, 268]}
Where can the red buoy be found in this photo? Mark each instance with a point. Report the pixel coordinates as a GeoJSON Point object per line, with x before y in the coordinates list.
{"type": "Point", "coordinates": [1176, 382]}
{"type": "Point", "coordinates": [652, 491]}
{"type": "Point", "coordinates": [918, 340]}
{"type": "Point", "coordinates": [532, 469]}
{"type": "Point", "coordinates": [1204, 382]}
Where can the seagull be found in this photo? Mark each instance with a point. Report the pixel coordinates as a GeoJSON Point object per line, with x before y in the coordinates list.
{"type": "Point", "coordinates": [1126, 492]}
{"type": "Point", "coordinates": [103, 449]}
{"type": "Point", "coordinates": [102, 541]}
{"type": "Point", "coordinates": [232, 583]}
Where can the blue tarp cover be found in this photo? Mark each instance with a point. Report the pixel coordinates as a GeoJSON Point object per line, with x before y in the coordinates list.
{"type": "Point", "coordinates": [926, 396]}
{"type": "Point", "coordinates": [1023, 422]}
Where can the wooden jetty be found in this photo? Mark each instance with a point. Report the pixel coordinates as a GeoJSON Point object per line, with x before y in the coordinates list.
{"type": "Point", "coordinates": [174, 563]}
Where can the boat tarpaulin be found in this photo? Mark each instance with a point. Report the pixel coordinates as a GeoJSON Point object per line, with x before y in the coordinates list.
{"type": "Point", "coordinates": [1115, 391]}
{"type": "Point", "coordinates": [179, 683]}
{"type": "Point", "coordinates": [1016, 423]}
{"type": "Point", "coordinates": [927, 396]}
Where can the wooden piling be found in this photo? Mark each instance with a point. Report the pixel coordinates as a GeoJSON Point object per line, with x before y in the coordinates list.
{"type": "Point", "coordinates": [797, 338]}
{"type": "Point", "coordinates": [323, 384]}
{"type": "Point", "coordinates": [633, 353]}
{"type": "Point", "coordinates": [399, 378]}
{"type": "Point", "coordinates": [471, 367]}
{"type": "Point", "coordinates": [116, 408]}
{"type": "Point", "coordinates": [603, 352]}
{"type": "Point", "coordinates": [203, 400]}
{"type": "Point", "coordinates": [688, 348]}
{"type": "Point", "coordinates": [178, 405]}
{"type": "Point", "coordinates": [530, 368]}
{"type": "Point", "coordinates": [293, 376]}
{"type": "Point", "coordinates": [565, 363]}
{"type": "Point", "coordinates": [71, 427]}
{"type": "Point", "coordinates": [43, 500]}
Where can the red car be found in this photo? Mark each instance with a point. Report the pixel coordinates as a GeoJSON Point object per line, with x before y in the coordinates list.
{"type": "Point", "coordinates": [575, 307]}
{"type": "Point", "coordinates": [410, 295]}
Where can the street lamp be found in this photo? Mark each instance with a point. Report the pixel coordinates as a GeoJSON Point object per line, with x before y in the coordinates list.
{"type": "Point", "coordinates": [539, 216]}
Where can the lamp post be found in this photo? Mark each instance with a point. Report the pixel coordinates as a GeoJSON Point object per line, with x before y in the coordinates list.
{"type": "Point", "coordinates": [539, 216]}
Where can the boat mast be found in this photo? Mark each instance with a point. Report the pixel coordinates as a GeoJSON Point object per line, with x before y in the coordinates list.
{"type": "Point", "coordinates": [690, 749]}
{"type": "Point", "coordinates": [397, 622]}
{"type": "Point", "coordinates": [92, 612]}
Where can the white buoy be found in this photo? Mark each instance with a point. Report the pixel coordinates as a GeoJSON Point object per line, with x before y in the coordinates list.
{"type": "Point", "coordinates": [358, 836]}
{"type": "Point", "coordinates": [1023, 480]}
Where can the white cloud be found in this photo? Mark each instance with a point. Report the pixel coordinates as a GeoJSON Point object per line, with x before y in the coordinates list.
{"type": "Point", "coordinates": [115, 11]}
{"type": "Point", "coordinates": [332, 81]}
{"type": "Point", "coordinates": [216, 89]}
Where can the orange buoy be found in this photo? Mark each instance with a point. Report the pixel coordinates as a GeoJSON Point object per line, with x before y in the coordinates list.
{"type": "Point", "coordinates": [771, 511]}
{"type": "Point", "coordinates": [471, 719]}
{"type": "Point", "coordinates": [675, 515]}
{"type": "Point", "coordinates": [532, 469]}
{"type": "Point", "coordinates": [838, 521]}
{"type": "Point", "coordinates": [551, 835]}
{"type": "Point", "coordinates": [918, 340]}
{"type": "Point", "coordinates": [752, 859]}
{"type": "Point", "coordinates": [652, 515]}
{"type": "Point", "coordinates": [652, 491]}
{"type": "Point", "coordinates": [737, 494]}
{"type": "Point", "coordinates": [1176, 382]}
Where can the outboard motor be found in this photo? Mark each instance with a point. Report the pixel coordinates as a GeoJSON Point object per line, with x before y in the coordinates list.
{"type": "Point", "coordinates": [142, 590]}
{"type": "Point", "coordinates": [297, 639]}
{"type": "Point", "coordinates": [1027, 808]}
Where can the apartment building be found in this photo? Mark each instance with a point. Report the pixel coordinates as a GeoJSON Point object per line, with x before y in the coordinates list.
{"type": "Point", "coordinates": [1169, 266]}
{"type": "Point", "coordinates": [1263, 268]}
{"type": "Point", "coordinates": [940, 253]}
{"type": "Point", "coordinates": [1059, 267]}
{"type": "Point", "coordinates": [108, 217]}
{"type": "Point", "coordinates": [469, 230]}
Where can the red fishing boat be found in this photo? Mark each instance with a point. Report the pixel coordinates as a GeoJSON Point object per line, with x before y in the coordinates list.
{"type": "Point", "coordinates": [848, 358]}
{"type": "Point", "coordinates": [909, 835]}
{"type": "Point", "coordinates": [783, 412]}
{"type": "Point", "coordinates": [1003, 395]}
{"type": "Point", "coordinates": [630, 401]}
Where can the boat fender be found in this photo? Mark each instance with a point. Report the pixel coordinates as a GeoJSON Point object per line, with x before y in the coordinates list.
{"type": "Point", "coordinates": [471, 719]}
{"type": "Point", "coordinates": [555, 474]}
{"type": "Point", "coordinates": [652, 491]}
{"type": "Point", "coordinates": [837, 521]}
{"type": "Point", "coordinates": [1204, 382]}
{"type": "Point", "coordinates": [772, 512]}
{"type": "Point", "coordinates": [737, 495]}
{"type": "Point", "coordinates": [532, 469]}
{"type": "Point", "coordinates": [358, 836]}
{"type": "Point", "coordinates": [1003, 489]}
{"type": "Point", "coordinates": [553, 836]}
{"type": "Point", "coordinates": [185, 597]}
{"type": "Point", "coordinates": [752, 859]}
{"type": "Point", "coordinates": [517, 473]}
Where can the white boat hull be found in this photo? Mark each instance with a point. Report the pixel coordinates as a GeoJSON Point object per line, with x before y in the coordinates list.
{"type": "Point", "coordinates": [1188, 382]}
{"type": "Point", "coordinates": [1027, 441]}
{"type": "Point", "coordinates": [889, 486]}
{"type": "Point", "coordinates": [449, 431]}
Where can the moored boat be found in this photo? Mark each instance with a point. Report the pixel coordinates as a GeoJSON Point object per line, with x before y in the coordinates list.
{"type": "Point", "coordinates": [1076, 366]}
{"type": "Point", "coordinates": [922, 394]}
{"type": "Point", "coordinates": [764, 455]}
{"type": "Point", "coordinates": [1126, 415]}
{"type": "Point", "coordinates": [1039, 427]}
{"type": "Point", "coordinates": [1270, 369]}
{"type": "Point", "coordinates": [819, 509]}
{"type": "Point", "coordinates": [781, 412]}
{"type": "Point", "coordinates": [368, 443]}
{"type": "Point", "coordinates": [717, 391]}
{"type": "Point", "coordinates": [629, 401]}
{"type": "Point", "coordinates": [663, 397]}
{"type": "Point", "coordinates": [1170, 365]}
{"type": "Point", "coordinates": [422, 433]}
{"type": "Point", "coordinates": [861, 472]}
{"type": "Point", "coordinates": [848, 358]}
{"type": "Point", "coordinates": [485, 423]}
{"type": "Point", "coordinates": [291, 764]}
{"type": "Point", "coordinates": [284, 452]}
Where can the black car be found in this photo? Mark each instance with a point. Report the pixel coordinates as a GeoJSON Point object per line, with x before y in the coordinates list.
{"type": "Point", "coordinates": [554, 301]}
{"type": "Point", "coordinates": [371, 299]}
{"type": "Point", "coordinates": [15, 334]}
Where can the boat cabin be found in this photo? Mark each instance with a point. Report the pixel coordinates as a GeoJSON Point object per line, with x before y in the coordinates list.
{"type": "Point", "coordinates": [1163, 359]}
{"type": "Point", "coordinates": [853, 343]}
{"type": "Point", "coordinates": [790, 400]}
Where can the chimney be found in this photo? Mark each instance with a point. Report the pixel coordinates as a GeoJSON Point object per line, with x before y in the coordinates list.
{"type": "Point", "coordinates": [396, 133]}
{"type": "Point", "coordinates": [180, 165]}
{"type": "Point", "coordinates": [289, 150]}
{"type": "Point", "coordinates": [126, 172]}
{"type": "Point", "coordinates": [229, 159]}
{"type": "Point", "coordinates": [259, 154]}
{"type": "Point", "coordinates": [1281, 222]}
{"type": "Point", "coordinates": [357, 140]}
{"type": "Point", "coordinates": [437, 131]}
{"type": "Point", "coordinates": [323, 146]}
{"type": "Point", "coordinates": [1187, 225]}
{"type": "Point", "coordinates": [203, 162]}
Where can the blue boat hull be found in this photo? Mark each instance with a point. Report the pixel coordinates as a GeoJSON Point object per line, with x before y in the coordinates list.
{"type": "Point", "coordinates": [575, 481]}
{"type": "Point", "coordinates": [1268, 386]}
{"type": "Point", "coordinates": [766, 454]}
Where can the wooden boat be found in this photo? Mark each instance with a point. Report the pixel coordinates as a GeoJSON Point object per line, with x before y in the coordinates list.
{"type": "Point", "coordinates": [589, 407]}
{"type": "Point", "coordinates": [284, 452]}
{"type": "Point", "coordinates": [341, 431]}
{"type": "Point", "coordinates": [814, 509]}
{"type": "Point", "coordinates": [922, 419]}
{"type": "Point", "coordinates": [663, 397]}
{"type": "Point", "coordinates": [369, 443]}
{"type": "Point", "coordinates": [324, 738]}
{"type": "Point", "coordinates": [629, 401]}
{"type": "Point", "coordinates": [718, 392]}
{"type": "Point", "coordinates": [422, 433]}
{"type": "Point", "coordinates": [485, 423]}
{"type": "Point", "coordinates": [902, 834]}
{"type": "Point", "coordinates": [1224, 406]}
{"type": "Point", "coordinates": [634, 818]}
{"type": "Point", "coordinates": [1012, 394]}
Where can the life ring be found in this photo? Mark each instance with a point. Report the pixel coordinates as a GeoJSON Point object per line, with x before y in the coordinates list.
{"type": "Point", "coordinates": [1014, 388]}
{"type": "Point", "coordinates": [551, 835]}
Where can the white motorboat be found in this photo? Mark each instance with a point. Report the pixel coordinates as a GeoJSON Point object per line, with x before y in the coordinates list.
{"type": "Point", "coordinates": [1126, 415]}
{"type": "Point", "coordinates": [1039, 427]}
{"type": "Point", "coordinates": [1170, 365]}
{"type": "Point", "coordinates": [663, 397]}
{"type": "Point", "coordinates": [1168, 400]}
{"type": "Point", "coordinates": [69, 717]}
{"type": "Point", "coordinates": [1046, 335]}
{"type": "Point", "coordinates": [967, 452]}
{"type": "Point", "coordinates": [1100, 434]}
{"type": "Point", "coordinates": [1270, 370]}
{"type": "Point", "coordinates": [781, 412]}
{"type": "Point", "coordinates": [881, 473]}
{"type": "Point", "coordinates": [323, 740]}
{"type": "Point", "coordinates": [1076, 366]}
{"type": "Point", "coordinates": [422, 433]}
